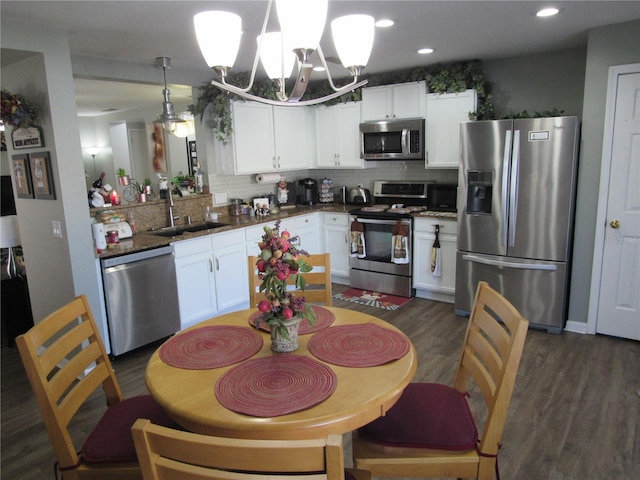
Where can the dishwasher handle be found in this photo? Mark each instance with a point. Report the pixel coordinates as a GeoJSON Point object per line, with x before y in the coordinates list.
{"type": "Point", "coordinates": [137, 256]}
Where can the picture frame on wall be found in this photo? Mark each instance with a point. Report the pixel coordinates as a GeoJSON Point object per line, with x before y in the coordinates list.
{"type": "Point", "coordinates": [22, 175]}
{"type": "Point", "coordinates": [42, 176]}
{"type": "Point", "coordinates": [192, 156]}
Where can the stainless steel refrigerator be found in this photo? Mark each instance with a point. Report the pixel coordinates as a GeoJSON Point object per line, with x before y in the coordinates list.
{"type": "Point", "coordinates": [516, 199]}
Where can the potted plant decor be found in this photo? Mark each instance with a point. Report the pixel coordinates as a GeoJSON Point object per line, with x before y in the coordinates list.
{"type": "Point", "coordinates": [279, 265]}
{"type": "Point", "coordinates": [123, 178]}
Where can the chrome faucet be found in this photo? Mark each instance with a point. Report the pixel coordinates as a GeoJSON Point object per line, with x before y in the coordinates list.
{"type": "Point", "coordinates": [172, 217]}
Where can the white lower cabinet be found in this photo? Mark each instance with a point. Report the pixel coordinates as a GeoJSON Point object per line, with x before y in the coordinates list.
{"type": "Point", "coordinates": [212, 276]}
{"type": "Point", "coordinates": [308, 229]}
{"type": "Point", "coordinates": [336, 242]}
{"type": "Point", "coordinates": [196, 283]}
{"type": "Point", "coordinates": [426, 284]}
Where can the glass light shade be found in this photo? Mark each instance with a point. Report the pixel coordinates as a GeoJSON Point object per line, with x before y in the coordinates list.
{"type": "Point", "coordinates": [169, 126]}
{"type": "Point", "coordinates": [184, 129]}
{"type": "Point", "coordinates": [302, 22]}
{"type": "Point", "coordinates": [218, 35]}
{"type": "Point", "coordinates": [272, 54]}
{"type": "Point", "coordinates": [93, 150]}
{"type": "Point", "coordinates": [353, 38]}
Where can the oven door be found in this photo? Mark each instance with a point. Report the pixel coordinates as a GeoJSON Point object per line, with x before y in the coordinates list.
{"type": "Point", "coordinates": [378, 240]}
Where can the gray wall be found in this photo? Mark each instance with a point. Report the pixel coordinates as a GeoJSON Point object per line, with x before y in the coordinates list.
{"type": "Point", "coordinates": [537, 83]}
{"type": "Point", "coordinates": [608, 46]}
{"type": "Point", "coordinates": [58, 269]}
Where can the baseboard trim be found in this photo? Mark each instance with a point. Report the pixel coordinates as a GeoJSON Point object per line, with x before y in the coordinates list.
{"type": "Point", "coordinates": [575, 327]}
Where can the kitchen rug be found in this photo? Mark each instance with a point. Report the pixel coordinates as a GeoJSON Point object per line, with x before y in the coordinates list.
{"type": "Point", "coordinates": [372, 299]}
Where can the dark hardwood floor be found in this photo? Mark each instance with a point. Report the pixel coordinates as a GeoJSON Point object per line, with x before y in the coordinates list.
{"type": "Point", "coordinates": [575, 413]}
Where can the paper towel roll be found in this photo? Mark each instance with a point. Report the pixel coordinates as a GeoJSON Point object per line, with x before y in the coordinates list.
{"type": "Point", "coordinates": [98, 235]}
{"type": "Point", "coordinates": [268, 178]}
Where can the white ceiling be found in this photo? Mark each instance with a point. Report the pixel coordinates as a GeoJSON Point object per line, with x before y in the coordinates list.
{"type": "Point", "coordinates": [140, 31]}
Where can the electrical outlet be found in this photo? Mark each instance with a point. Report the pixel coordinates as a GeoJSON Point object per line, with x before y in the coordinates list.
{"type": "Point", "coordinates": [221, 198]}
{"type": "Point", "coordinates": [57, 229]}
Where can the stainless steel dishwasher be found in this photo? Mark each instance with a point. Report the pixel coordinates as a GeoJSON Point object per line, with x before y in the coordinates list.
{"type": "Point", "coordinates": [141, 296]}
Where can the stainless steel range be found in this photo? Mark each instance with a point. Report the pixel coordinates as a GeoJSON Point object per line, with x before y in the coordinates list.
{"type": "Point", "coordinates": [382, 238]}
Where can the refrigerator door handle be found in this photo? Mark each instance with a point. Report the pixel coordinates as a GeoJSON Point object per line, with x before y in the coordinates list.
{"type": "Point", "coordinates": [513, 191]}
{"type": "Point", "coordinates": [504, 193]}
{"type": "Point", "coordinates": [518, 265]}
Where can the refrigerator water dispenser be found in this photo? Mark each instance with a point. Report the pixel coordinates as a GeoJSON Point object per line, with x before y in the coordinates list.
{"type": "Point", "coordinates": [479, 191]}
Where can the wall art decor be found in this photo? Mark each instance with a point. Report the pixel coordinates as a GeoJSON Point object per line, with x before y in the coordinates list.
{"type": "Point", "coordinates": [22, 176]}
{"type": "Point", "coordinates": [29, 137]}
{"type": "Point", "coordinates": [42, 176]}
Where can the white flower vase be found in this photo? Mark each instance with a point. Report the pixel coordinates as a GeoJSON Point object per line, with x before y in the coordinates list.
{"type": "Point", "coordinates": [279, 343]}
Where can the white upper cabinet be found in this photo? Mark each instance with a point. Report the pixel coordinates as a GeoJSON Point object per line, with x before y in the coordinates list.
{"type": "Point", "coordinates": [293, 131]}
{"type": "Point", "coordinates": [338, 136]}
{"type": "Point", "coordinates": [403, 100]}
{"type": "Point", "coordinates": [445, 112]}
{"type": "Point", "coordinates": [270, 139]}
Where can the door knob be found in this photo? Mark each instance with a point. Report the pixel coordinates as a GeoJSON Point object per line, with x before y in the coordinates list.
{"type": "Point", "coordinates": [615, 224]}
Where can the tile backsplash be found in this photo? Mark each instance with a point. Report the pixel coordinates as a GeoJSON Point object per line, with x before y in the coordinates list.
{"type": "Point", "coordinates": [245, 186]}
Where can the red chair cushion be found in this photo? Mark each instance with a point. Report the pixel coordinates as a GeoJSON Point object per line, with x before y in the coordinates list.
{"type": "Point", "coordinates": [111, 440]}
{"type": "Point", "coordinates": [427, 415]}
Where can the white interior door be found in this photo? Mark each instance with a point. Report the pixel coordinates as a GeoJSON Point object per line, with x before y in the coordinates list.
{"type": "Point", "coordinates": [618, 311]}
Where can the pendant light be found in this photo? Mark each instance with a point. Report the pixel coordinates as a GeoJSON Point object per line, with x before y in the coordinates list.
{"type": "Point", "coordinates": [302, 23]}
{"type": "Point", "coordinates": [168, 118]}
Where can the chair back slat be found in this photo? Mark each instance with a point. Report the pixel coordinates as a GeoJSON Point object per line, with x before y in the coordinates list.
{"type": "Point", "coordinates": [66, 362]}
{"type": "Point", "coordinates": [318, 280]}
{"type": "Point", "coordinates": [491, 356]}
{"type": "Point", "coordinates": [167, 454]}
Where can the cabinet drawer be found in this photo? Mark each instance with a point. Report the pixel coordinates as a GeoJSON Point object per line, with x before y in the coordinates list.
{"type": "Point", "coordinates": [449, 227]}
{"type": "Point", "coordinates": [255, 233]}
{"type": "Point", "coordinates": [226, 239]}
{"type": "Point", "coordinates": [339, 219]}
{"type": "Point", "coordinates": [192, 246]}
{"type": "Point", "coordinates": [306, 221]}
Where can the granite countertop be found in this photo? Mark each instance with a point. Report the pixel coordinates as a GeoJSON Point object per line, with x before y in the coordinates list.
{"type": "Point", "coordinates": [147, 240]}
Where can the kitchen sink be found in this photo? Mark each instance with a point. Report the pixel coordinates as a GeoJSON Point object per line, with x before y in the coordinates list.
{"type": "Point", "coordinates": [179, 230]}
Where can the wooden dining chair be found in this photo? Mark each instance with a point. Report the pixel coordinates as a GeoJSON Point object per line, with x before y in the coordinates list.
{"type": "Point", "coordinates": [318, 288]}
{"type": "Point", "coordinates": [66, 362]}
{"type": "Point", "coordinates": [431, 431]}
{"type": "Point", "coordinates": [170, 454]}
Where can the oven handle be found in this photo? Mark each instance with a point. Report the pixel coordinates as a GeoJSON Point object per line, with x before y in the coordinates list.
{"type": "Point", "coordinates": [404, 221]}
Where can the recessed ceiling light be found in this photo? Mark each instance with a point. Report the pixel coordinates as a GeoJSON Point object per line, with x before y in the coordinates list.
{"type": "Point", "coordinates": [547, 12]}
{"type": "Point", "coordinates": [385, 22]}
{"type": "Point", "coordinates": [424, 51]}
{"type": "Point", "coordinates": [319, 68]}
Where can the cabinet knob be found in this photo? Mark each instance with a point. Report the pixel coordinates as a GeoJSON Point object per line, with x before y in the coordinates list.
{"type": "Point", "coordinates": [615, 224]}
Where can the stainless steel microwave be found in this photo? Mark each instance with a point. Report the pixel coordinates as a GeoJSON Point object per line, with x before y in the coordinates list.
{"type": "Point", "coordinates": [392, 139]}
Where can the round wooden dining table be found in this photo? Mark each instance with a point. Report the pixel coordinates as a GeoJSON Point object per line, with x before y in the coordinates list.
{"type": "Point", "coordinates": [361, 394]}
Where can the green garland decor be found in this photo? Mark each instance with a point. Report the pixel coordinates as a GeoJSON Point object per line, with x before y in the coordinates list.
{"type": "Point", "coordinates": [440, 78]}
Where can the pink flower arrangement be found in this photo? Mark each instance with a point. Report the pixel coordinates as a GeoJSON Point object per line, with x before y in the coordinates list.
{"type": "Point", "coordinates": [278, 266]}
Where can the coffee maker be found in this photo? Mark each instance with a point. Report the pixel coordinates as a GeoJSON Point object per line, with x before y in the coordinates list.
{"type": "Point", "coordinates": [307, 191]}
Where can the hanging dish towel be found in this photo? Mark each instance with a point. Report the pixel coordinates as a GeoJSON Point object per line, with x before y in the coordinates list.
{"type": "Point", "coordinates": [358, 248]}
{"type": "Point", "coordinates": [400, 253]}
{"type": "Point", "coordinates": [436, 255]}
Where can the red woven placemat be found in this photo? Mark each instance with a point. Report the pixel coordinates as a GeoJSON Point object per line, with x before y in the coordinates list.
{"type": "Point", "coordinates": [276, 385]}
{"type": "Point", "coordinates": [362, 345]}
{"type": "Point", "coordinates": [324, 319]}
{"type": "Point", "coordinates": [212, 346]}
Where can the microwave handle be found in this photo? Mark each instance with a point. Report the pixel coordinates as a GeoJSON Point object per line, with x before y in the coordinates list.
{"type": "Point", "coordinates": [405, 141]}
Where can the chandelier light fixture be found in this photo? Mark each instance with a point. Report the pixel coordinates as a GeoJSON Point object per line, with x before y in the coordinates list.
{"type": "Point", "coordinates": [302, 23]}
{"type": "Point", "coordinates": [168, 118]}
